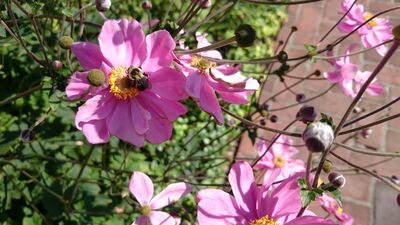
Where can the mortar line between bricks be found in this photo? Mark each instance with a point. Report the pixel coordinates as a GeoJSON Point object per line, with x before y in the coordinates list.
{"type": "Point", "coordinates": [346, 198]}
{"type": "Point", "coordinates": [372, 217]}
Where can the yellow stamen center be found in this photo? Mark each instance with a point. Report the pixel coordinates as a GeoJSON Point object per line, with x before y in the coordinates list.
{"type": "Point", "coordinates": [339, 210]}
{"type": "Point", "coordinates": [201, 63]}
{"type": "Point", "coordinates": [368, 16]}
{"type": "Point", "coordinates": [263, 221]}
{"type": "Point", "coordinates": [145, 210]}
{"type": "Point", "coordinates": [121, 86]}
{"type": "Point", "coordinates": [279, 161]}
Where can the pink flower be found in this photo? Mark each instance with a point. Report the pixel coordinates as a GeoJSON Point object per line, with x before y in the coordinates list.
{"type": "Point", "coordinates": [330, 205]}
{"type": "Point", "coordinates": [252, 205]}
{"type": "Point", "coordinates": [204, 78]}
{"type": "Point", "coordinates": [121, 107]}
{"type": "Point", "coordinates": [373, 33]}
{"type": "Point", "coordinates": [142, 188]}
{"type": "Point", "coordinates": [278, 162]}
{"type": "Point", "coordinates": [350, 78]}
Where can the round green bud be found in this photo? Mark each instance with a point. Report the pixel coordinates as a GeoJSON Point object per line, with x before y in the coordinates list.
{"type": "Point", "coordinates": [328, 166]}
{"type": "Point", "coordinates": [96, 77]}
{"type": "Point", "coordinates": [65, 42]}
{"type": "Point", "coordinates": [396, 32]}
{"type": "Point", "coordinates": [245, 35]}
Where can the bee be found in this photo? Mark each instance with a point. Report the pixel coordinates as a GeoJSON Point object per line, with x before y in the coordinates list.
{"type": "Point", "coordinates": [138, 79]}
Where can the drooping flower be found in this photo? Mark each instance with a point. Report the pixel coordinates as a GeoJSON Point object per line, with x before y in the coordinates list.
{"type": "Point", "coordinates": [204, 78]}
{"type": "Point", "coordinates": [142, 188]}
{"type": "Point", "coordinates": [253, 205]}
{"type": "Point", "coordinates": [350, 78]}
{"type": "Point", "coordinates": [139, 97]}
{"type": "Point", "coordinates": [373, 33]}
{"type": "Point", "coordinates": [278, 162]}
{"type": "Point", "coordinates": [330, 205]}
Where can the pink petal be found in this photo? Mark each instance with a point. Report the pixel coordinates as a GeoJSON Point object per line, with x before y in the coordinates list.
{"type": "Point", "coordinates": [244, 188]}
{"type": "Point", "coordinates": [142, 220]}
{"type": "Point", "coordinates": [334, 76]}
{"type": "Point", "coordinates": [88, 55]}
{"type": "Point", "coordinates": [349, 71]}
{"type": "Point", "coordinates": [375, 89]}
{"type": "Point", "coordinates": [235, 97]}
{"type": "Point", "coordinates": [193, 86]}
{"type": "Point", "coordinates": [160, 130]}
{"type": "Point", "coordinates": [310, 220]}
{"type": "Point", "coordinates": [170, 194]}
{"type": "Point", "coordinates": [96, 131]}
{"type": "Point", "coordinates": [77, 85]}
{"type": "Point", "coordinates": [121, 124]}
{"type": "Point", "coordinates": [140, 117]}
{"type": "Point", "coordinates": [217, 207]}
{"type": "Point", "coordinates": [209, 102]}
{"type": "Point", "coordinates": [347, 87]}
{"type": "Point", "coordinates": [164, 108]}
{"type": "Point", "coordinates": [284, 200]}
{"type": "Point", "coordinates": [160, 45]}
{"type": "Point", "coordinates": [168, 83]}
{"type": "Point", "coordinates": [122, 42]}
{"type": "Point", "coordinates": [141, 187]}
{"type": "Point", "coordinates": [97, 107]}
{"type": "Point", "coordinates": [228, 69]}
{"type": "Point", "coordinates": [162, 218]}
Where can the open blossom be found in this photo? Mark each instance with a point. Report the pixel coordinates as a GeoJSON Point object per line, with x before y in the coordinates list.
{"type": "Point", "coordinates": [373, 33]}
{"type": "Point", "coordinates": [253, 205]}
{"type": "Point", "coordinates": [142, 188]}
{"type": "Point", "coordinates": [204, 78]}
{"type": "Point", "coordinates": [278, 162]}
{"type": "Point", "coordinates": [330, 205]}
{"type": "Point", "coordinates": [139, 97]}
{"type": "Point", "coordinates": [350, 78]}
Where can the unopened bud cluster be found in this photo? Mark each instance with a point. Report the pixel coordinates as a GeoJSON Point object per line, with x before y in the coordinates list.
{"type": "Point", "coordinates": [103, 5]}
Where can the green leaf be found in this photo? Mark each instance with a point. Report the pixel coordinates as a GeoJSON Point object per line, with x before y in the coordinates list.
{"type": "Point", "coordinates": [337, 194]}
{"type": "Point", "coordinates": [307, 197]}
{"type": "Point", "coordinates": [328, 119]}
{"type": "Point", "coordinates": [302, 183]}
{"type": "Point", "coordinates": [68, 12]}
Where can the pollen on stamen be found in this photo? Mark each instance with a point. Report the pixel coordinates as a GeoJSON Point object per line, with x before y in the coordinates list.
{"type": "Point", "coordinates": [368, 16]}
{"type": "Point", "coordinates": [279, 161]}
{"type": "Point", "coordinates": [120, 85]}
{"type": "Point", "coordinates": [201, 63]}
{"type": "Point", "coordinates": [265, 220]}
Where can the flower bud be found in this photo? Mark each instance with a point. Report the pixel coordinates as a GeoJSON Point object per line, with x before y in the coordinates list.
{"type": "Point", "coordinates": [306, 114]}
{"type": "Point", "coordinates": [398, 200]}
{"type": "Point", "coordinates": [203, 3]}
{"type": "Point", "coordinates": [273, 118]}
{"type": "Point", "coordinates": [103, 5]}
{"type": "Point", "coordinates": [262, 122]}
{"type": "Point", "coordinates": [56, 64]}
{"type": "Point", "coordinates": [282, 57]}
{"type": "Point", "coordinates": [146, 4]}
{"type": "Point", "coordinates": [328, 166]}
{"type": "Point", "coordinates": [395, 180]}
{"type": "Point", "coordinates": [96, 77]}
{"type": "Point", "coordinates": [27, 135]}
{"type": "Point", "coordinates": [65, 42]}
{"type": "Point", "coordinates": [396, 32]}
{"type": "Point", "coordinates": [337, 179]}
{"type": "Point", "coordinates": [300, 98]}
{"type": "Point", "coordinates": [318, 136]}
{"type": "Point", "coordinates": [357, 110]}
{"type": "Point", "coordinates": [245, 35]}
{"type": "Point", "coordinates": [365, 133]}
